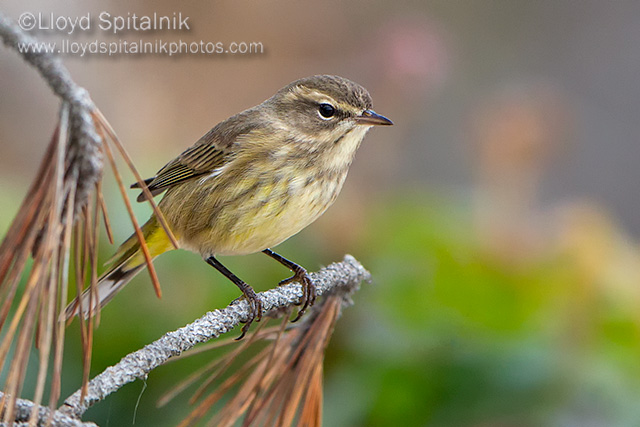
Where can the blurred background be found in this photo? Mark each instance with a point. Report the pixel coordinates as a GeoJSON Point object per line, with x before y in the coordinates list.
{"type": "Point", "coordinates": [499, 216]}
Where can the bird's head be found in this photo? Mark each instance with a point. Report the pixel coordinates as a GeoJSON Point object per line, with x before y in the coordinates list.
{"type": "Point", "coordinates": [324, 109]}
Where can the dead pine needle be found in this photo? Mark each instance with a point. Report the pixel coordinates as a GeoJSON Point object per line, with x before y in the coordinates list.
{"type": "Point", "coordinates": [280, 385]}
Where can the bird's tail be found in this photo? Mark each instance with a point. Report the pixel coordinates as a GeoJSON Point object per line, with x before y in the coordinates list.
{"type": "Point", "coordinates": [127, 262]}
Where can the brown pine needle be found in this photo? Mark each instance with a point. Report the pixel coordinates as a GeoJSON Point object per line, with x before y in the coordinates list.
{"type": "Point", "coordinates": [312, 407]}
{"type": "Point", "coordinates": [86, 243]}
{"type": "Point", "coordinates": [48, 321]}
{"type": "Point", "coordinates": [262, 385]}
{"type": "Point", "coordinates": [99, 117]}
{"type": "Point", "coordinates": [171, 394]}
{"type": "Point", "coordinates": [105, 214]}
{"type": "Point", "coordinates": [246, 398]}
{"type": "Point", "coordinates": [17, 372]}
{"type": "Point", "coordinates": [93, 253]}
{"type": "Point", "coordinates": [78, 279]}
{"type": "Point", "coordinates": [220, 391]}
{"type": "Point", "coordinates": [21, 256]}
{"type": "Point", "coordinates": [24, 230]}
{"type": "Point", "coordinates": [63, 285]}
{"type": "Point", "coordinates": [28, 212]}
{"type": "Point", "coordinates": [18, 315]}
{"type": "Point", "coordinates": [183, 385]}
{"type": "Point", "coordinates": [16, 247]}
{"type": "Point", "coordinates": [225, 362]}
{"type": "Point", "coordinates": [134, 221]}
{"type": "Point", "coordinates": [281, 385]}
{"type": "Point", "coordinates": [23, 347]}
{"type": "Point", "coordinates": [52, 255]}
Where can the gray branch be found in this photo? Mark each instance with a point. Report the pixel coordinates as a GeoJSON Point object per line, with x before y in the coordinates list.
{"type": "Point", "coordinates": [49, 65]}
{"type": "Point", "coordinates": [343, 278]}
{"type": "Point", "coordinates": [84, 143]}
{"type": "Point", "coordinates": [23, 413]}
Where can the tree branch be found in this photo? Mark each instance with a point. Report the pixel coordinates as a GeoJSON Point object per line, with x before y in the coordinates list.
{"type": "Point", "coordinates": [84, 145]}
{"type": "Point", "coordinates": [343, 278]}
{"type": "Point", "coordinates": [24, 408]}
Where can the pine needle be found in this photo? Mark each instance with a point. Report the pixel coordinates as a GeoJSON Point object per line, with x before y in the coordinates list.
{"type": "Point", "coordinates": [281, 385]}
{"type": "Point", "coordinates": [134, 221]}
{"type": "Point", "coordinates": [99, 117]}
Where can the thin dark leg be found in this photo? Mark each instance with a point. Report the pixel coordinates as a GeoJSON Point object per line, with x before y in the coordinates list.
{"type": "Point", "coordinates": [255, 306]}
{"type": "Point", "coordinates": [299, 275]}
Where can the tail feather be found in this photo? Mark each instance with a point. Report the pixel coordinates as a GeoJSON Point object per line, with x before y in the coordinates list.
{"type": "Point", "coordinates": [108, 286]}
{"type": "Point", "coordinates": [128, 261]}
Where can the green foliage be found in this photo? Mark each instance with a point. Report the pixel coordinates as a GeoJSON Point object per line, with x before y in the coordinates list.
{"type": "Point", "coordinates": [453, 334]}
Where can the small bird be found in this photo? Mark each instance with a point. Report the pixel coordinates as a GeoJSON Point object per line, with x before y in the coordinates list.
{"type": "Point", "coordinates": [250, 183]}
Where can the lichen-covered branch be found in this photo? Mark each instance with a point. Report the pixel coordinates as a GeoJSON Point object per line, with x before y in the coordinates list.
{"type": "Point", "coordinates": [343, 277]}
{"type": "Point", "coordinates": [84, 147]}
{"type": "Point", "coordinates": [24, 409]}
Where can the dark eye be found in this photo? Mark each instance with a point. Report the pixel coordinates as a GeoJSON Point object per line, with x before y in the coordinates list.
{"type": "Point", "coordinates": [326, 111]}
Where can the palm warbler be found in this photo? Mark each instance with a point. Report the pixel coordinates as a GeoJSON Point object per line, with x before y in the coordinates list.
{"type": "Point", "coordinates": [251, 182]}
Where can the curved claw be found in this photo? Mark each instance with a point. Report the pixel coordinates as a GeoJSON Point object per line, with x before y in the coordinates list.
{"type": "Point", "coordinates": [255, 312]}
{"type": "Point", "coordinates": [308, 291]}
{"type": "Point", "coordinates": [299, 275]}
{"type": "Point", "coordinates": [288, 280]}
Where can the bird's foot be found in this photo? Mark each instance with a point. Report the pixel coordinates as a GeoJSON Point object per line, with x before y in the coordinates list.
{"type": "Point", "coordinates": [255, 310]}
{"type": "Point", "coordinates": [309, 294]}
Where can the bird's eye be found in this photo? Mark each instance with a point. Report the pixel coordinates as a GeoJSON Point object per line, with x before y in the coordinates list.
{"type": "Point", "coordinates": [326, 110]}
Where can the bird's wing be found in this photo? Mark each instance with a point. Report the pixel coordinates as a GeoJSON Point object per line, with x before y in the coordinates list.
{"type": "Point", "coordinates": [213, 150]}
{"type": "Point", "coordinates": [200, 159]}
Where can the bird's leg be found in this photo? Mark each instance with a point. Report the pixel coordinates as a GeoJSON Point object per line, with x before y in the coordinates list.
{"type": "Point", "coordinates": [255, 306]}
{"type": "Point", "coordinates": [299, 275]}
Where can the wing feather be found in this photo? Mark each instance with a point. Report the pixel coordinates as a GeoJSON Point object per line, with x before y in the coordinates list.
{"type": "Point", "coordinates": [210, 152]}
{"type": "Point", "coordinates": [194, 162]}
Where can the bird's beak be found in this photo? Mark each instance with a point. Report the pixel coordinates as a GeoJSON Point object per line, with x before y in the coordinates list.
{"type": "Point", "coordinates": [371, 118]}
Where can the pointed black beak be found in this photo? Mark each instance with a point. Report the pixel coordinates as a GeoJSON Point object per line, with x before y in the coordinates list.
{"type": "Point", "coordinates": [371, 118]}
